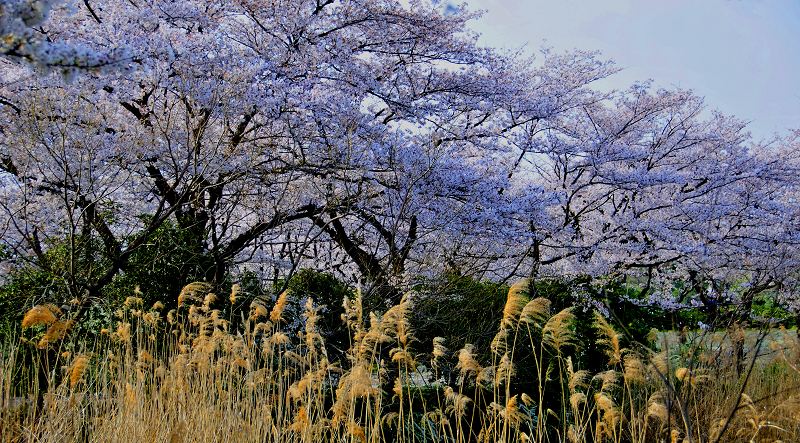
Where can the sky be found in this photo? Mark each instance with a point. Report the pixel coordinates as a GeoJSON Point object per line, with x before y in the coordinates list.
{"type": "Point", "coordinates": [743, 56]}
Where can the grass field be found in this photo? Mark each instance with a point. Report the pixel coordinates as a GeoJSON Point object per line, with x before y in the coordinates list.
{"type": "Point", "coordinates": [190, 375]}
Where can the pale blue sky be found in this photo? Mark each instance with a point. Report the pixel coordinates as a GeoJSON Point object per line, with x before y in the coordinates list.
{"type": "Point", "coordinates": [741, 55]}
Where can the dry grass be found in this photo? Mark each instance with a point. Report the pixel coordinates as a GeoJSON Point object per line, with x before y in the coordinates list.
{"type": "Point", "coordinates": [188, 376]}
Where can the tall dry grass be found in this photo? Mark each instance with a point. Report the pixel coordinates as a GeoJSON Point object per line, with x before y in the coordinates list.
{"type": "Point", "coordinates": [188, 376]}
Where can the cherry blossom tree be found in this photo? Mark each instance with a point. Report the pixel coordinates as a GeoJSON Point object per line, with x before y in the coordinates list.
{"type": "Point", "coordinates": [653, 187]}
{"type": "Point", "coordinates": [241, 118]}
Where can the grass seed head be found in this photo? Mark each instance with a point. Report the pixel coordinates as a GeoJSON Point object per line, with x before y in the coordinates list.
{"type": "Point", "coordinates": [608, 380]}
{"type": "Point", "coordinates": [276, 315]}
{"type": "Point", "coordinates": [536, 311]}
{"type": "Point", "coordinates": [439, 351]}
{"type": "Point", "coordinates": [575, 379]}
{"type": "Point", "coordinates": [55, 332]}
{"type": "Point", "coordinates": [682, 373]}
{"type": "Point", "coordinates": [458, 402]}
{"type": "Point", "coordinates": [609, 339]}
{"type": "Point", "coordinates": [657, 410]}
{"type": "Point", "coordinates": [257, 311]}
{"type": "Point", "coordinates": [77, 369]}
{"type": "Point", "coordinates": [515, 302]}
{"type": "Point", "coordinates": [557, 332]}
{"type": "Point", "coordinates": [123, 333]}
{"type": "Point", "coordinates": [634, 370]}
{"type": "Point", "coordinates": [467, 363]}
{"type": "Point", "coordinates": [209, 300]}
{"type": "Point", "coordinates": [194, 292]}
{"type": "Point", "coordinates": [576, 400]}
{"type": "Point", "coordinates": [133, 302]}
{"type": "Point", "coordinates": [505, 370]}
{"type": "Point", "coordinates": [235, 290]}
{"type": "Point", "coordinates": [41, 315]}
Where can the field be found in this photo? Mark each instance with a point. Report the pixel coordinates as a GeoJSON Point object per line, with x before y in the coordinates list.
{"type": "Point", "coordinates": [191, 375]}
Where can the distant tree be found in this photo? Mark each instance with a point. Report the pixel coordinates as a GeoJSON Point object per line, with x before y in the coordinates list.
{"type": "Point", "coordinates": [647, 187]}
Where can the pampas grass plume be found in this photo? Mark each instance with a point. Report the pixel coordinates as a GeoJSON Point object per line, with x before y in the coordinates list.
{"type": "Point", "coordinates": [276, 314]}
{"type": "Point", "coordinates": [193, 292]}
{"type": "Point", "coordinates": [634, 371]}
{"type": "Point", "coordinates": [466, 360]}
{"type": "Point", "coordinates": [77, 369]}
{"type": "Point", "coordinates": [41, 315]}
{"type": "Point", "coordinates": [209, 300]}
{"type": "Point", "coordinates": [235, 290]}
{"type": "Point", "coordinates": [458, 402]}
{"type": "Point", "coordinates": [609, 339]}
{"type": "Point", "coordinates": [439, 351]}
{"type": "Point", "coordinates": [55, 332]}
{"type": "Point", "coordinates": [257, 311]}
{"type": "Point", "coordinates": [656, 408]}
{"type": "Point", "coordinates": [515, 302]}
{"type": "Point", "coordinates": [133, 302]}
{"type": "Point", "coordinates": [123, 333]}
{"type": "Point", "coordinates": [557, 332]}
{"type": "Point", "coordinates": [536, 311]}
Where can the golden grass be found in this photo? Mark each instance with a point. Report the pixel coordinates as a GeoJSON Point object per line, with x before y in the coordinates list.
{"type": "Point", "coordinates": [77, 369]}
{"type": "Point", "coordinates": [41, 315]}
{"type": "Point", "coordinates": [189, 377]}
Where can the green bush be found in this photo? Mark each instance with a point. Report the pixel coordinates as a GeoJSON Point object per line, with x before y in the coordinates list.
{"type": "Point", "coordinates": [161, 268]}
{"type": "Point", "coordinates": [155, 272]}
{"type": "Point", "coordinates": [328, 294]}
{"type": "Point", "coordinates": [460, 309]}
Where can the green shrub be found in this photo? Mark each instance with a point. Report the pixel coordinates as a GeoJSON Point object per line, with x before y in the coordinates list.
{"type": "Point", "coordinates": [328, 294]}
{"type": "Point", "coordinates": [460, 309]}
